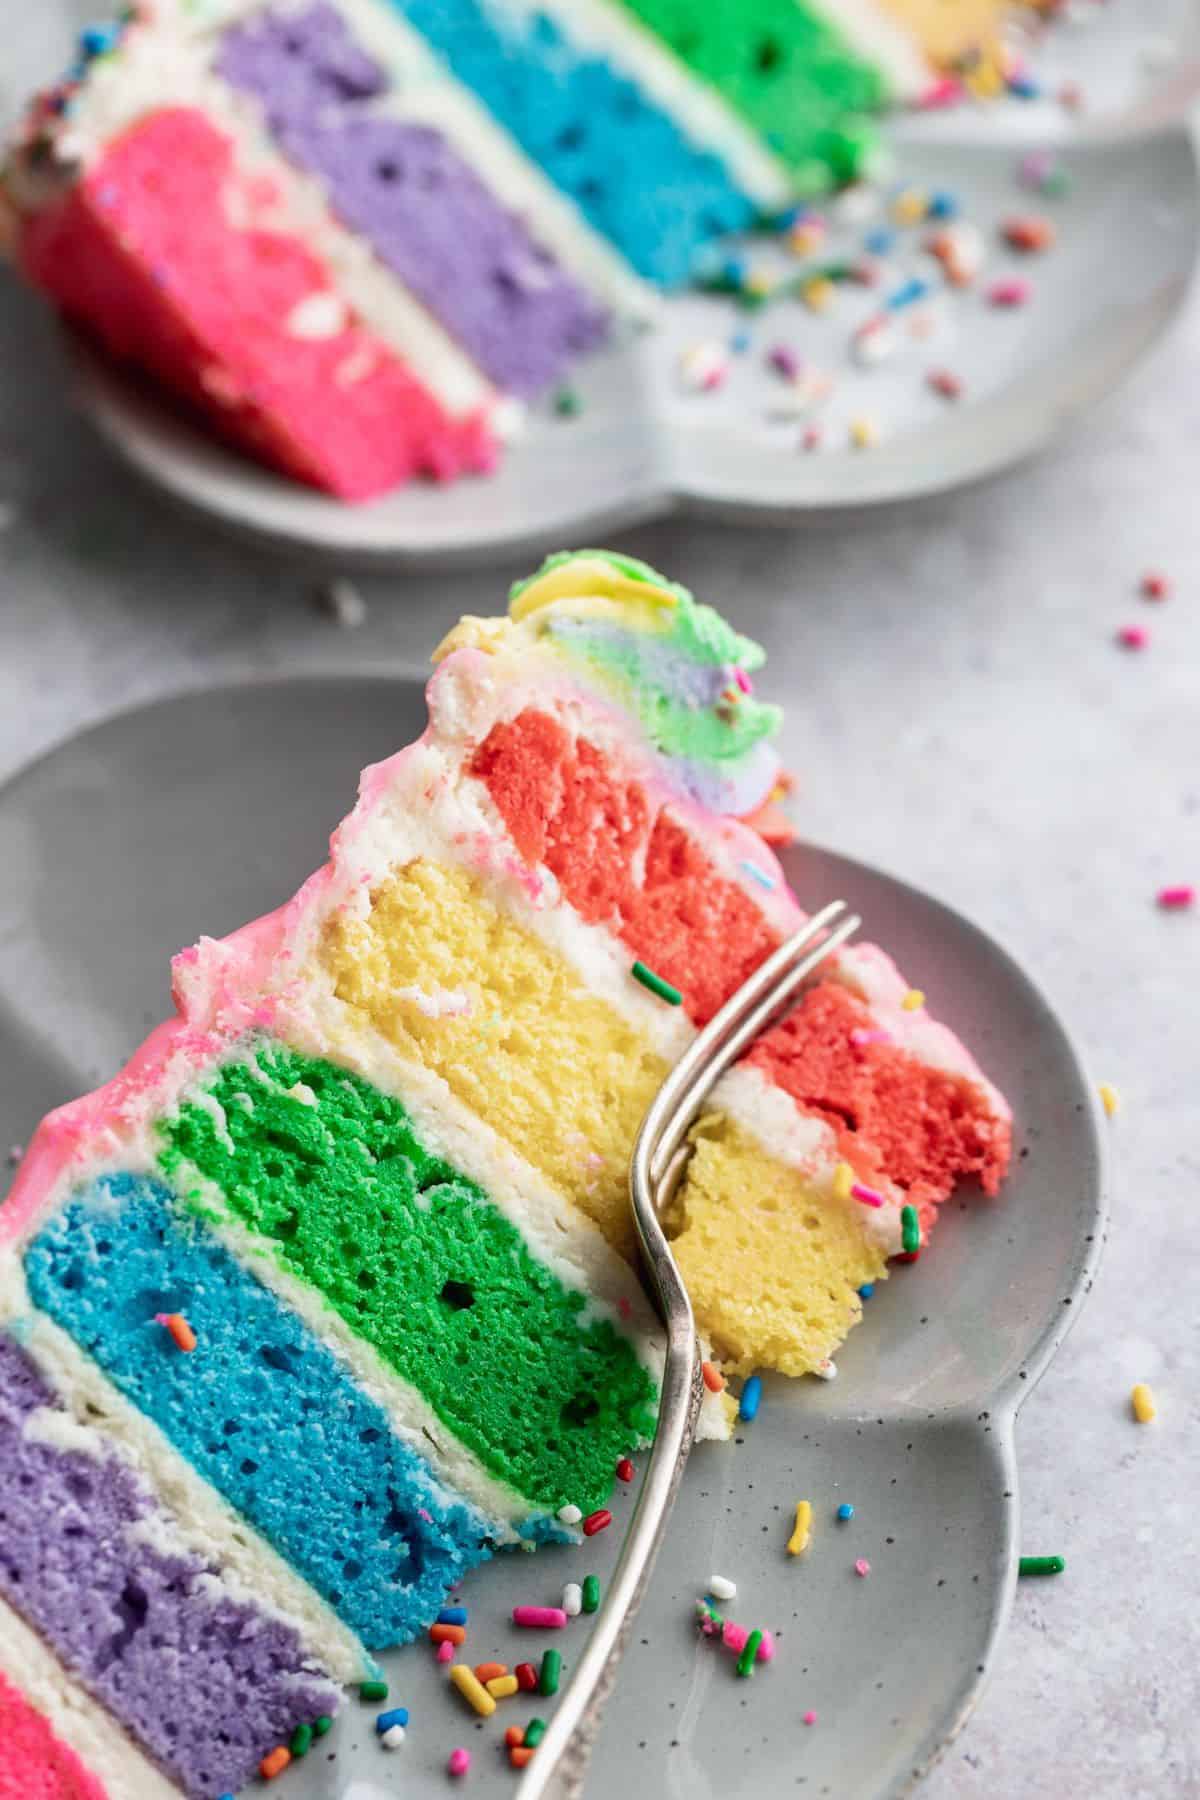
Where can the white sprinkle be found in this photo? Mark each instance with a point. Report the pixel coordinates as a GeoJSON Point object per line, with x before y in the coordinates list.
{"type": "Point", "coordinates": [721, 1588]}
{"type": "Point", "coordinates": [857, 204]}
{"type": "Point", "coordinates": [319, 315]}
{"type": "Point", "coordinates": [572, 1600]}
{"type": "Point", "coordinates": [343, 603]}
{"type": "Point", "coordinates": [393, 1737]}
{"type": "Point", "coordinates": [569, 1515]}
{"type": "Point", "coordinates": [826, 1371]}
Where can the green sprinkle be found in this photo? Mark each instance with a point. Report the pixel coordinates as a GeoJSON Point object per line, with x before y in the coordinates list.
{"type": "Point", "coordinates": [591, 1593]}
{"type": "Point", "coordinates": [656, 984]}
{"type": "Point", "coordinates": [910, 1230]}
{"type": "Point", "coordinates": [548, 1679]}
{"type": "Point", "coordinates": [535, 1731]}
{"type": "Point", "coordinates": [302, 1739]}
{"type": "Point", "coordinates": [1041, 1565]}
{"type": "Point", "coordinates": [567, 403]}
{"type": "Point", "coordinates": [746, 1661]}
{"type": "Point", "coordinates": [322, 1725]}
{"type": "Point", "coordinates": [372, 1690]}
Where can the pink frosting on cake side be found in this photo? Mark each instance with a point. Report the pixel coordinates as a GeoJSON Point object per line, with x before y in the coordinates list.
{"type": "Point", "coordinates": [35, 1764]}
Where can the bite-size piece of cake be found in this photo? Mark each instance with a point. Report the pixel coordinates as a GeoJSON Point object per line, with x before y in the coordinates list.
{"type": "Point", "coordinates": [328, 1294]}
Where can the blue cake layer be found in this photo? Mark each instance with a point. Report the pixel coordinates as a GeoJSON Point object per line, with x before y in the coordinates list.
{"type": "Point", "coordinates": [625, 162]}
{"type": "Point", "coordinates": [261, 1408]}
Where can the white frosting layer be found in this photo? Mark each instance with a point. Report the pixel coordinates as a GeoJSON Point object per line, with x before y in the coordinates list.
{"type": "Point", "coordinates": [75, 1717]}
{"type": "Point", "coordinates": [193, 1516]}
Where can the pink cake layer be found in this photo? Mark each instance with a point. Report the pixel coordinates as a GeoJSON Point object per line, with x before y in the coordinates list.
{"type": "Point", "coordinates": [35, 1764]}
{"type": "Point", "coordinates": [141, 253]}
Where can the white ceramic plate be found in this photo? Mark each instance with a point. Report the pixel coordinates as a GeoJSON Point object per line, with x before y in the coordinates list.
{"type": "Point", "coordinates": [197, 813]}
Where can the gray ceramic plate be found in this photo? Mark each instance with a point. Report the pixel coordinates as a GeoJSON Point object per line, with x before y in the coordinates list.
{"type": "Point", "coordinates": [643, 446]}
{"type": "Point", "coordinates": [193, 815]}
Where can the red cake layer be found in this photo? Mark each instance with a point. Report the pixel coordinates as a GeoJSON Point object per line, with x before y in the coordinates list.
{"type": "Point", "coordinates": [925, 1127]}
{"type": "Point", "coordinates": [34, 1763]}
{"type": "Point", "coordinates": [143, 254]}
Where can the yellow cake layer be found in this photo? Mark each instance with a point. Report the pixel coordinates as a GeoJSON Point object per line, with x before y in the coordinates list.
{"type": "Point", "coordinates": [772, 1264]}
{"type": "Point", "coordinates": [951, 29]}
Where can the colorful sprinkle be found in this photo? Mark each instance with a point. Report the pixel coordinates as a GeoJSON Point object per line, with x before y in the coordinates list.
{"type": "Point", "coordinates": [275, 1762]}
{"type": "Point", "coordinates": [703, 368]}
{"type": "Point", "coordinates": [866, 1196]}
{"type": "Point", "coordinates": [910, 207]}
{"type": "Point", "coordinates": [519, 1756]}
{"type": "Point", "coordinates": [535, 1731]}
{"type": "Point", "coordinates": [866, 1290]}
{"type": "Point", "coordinates": [447, 1634]}
{"type": "Point", "coordinates": [826, 1369]}
{"type": "Point", "coordinates": [502, 1687]}
{"type": "Point", "coordinates": [1041, 1565]}
{"type": "Point", "coordinates": [458, 1762]}
{"type": "Point", "coordinates": [656, 984]}
{"type": "Point", "coordinates": [445, 1653]}
{"type": "Point", "coordinates": [322, 1725]}
{"type": "Point", "coordinates": [714, 1381]}
{"type": "Point", "coordinates": [751, 1400]}
{"type": "Point", "coordinates": [567, 403]}
{"type": "Point", "coordinates": [1142, 1401]}
{"type": "Point", "coordinates": [625, 1470]}
{"type": "Point", "coordinates": [452, 1615]}
{"type": "Point", "coordinates": [845, 1511]}
{"type": "Point", "coordinates": [1011, 292]}
{"type": "Point", "coordinates": [760, 875]}
{"type": "Point", "coordinates": [514, 1737]}
{"type": "Point", "coordinates": [393, 1737]}
{"type": "Point", "coordinates": [913, 1001]}
{"type": "Point", "coordinates": [177, 1327]}
{"type": "Point", "coordinates": [472, 1691]}
{"type": "Point", "coordinates": [540, 1618]}
{"type": "Point", "coordinates": [1155, 586]}
{"type": "Point", "coordinates": [843, 1181]}
{"type": "Point", "coordinates": [784, 361]}
{"type": "Point", "coordinates": [810, 1718]}
{"type": "Point", "coordinates": [1175, 899]}
{"type": "Point", "coordinates": [301, 1742]}
{"type": "Point", "coordinates": [372, 1690]}
{"type": "Point", "coordinates": [396, 1715]}
{"type": "Point", "coordinates": [907, 294]}
{"type": "Point", "coordinates": [569, 1515]}
{"type": "Point", "coordinates": [812, 438]}
{"type": "Point", "coordinates": [864, 433]}
{"type": "Point", "coordinates": [746, 1661]}
{"type": "Point", "coordinates": [490, 1671]}
{"type": "Point", "coordinates": [572, 1600]}
{"type": "Point", "coordinates": [1029, 233]}
{"type": "Point", "coordinates": [600, 1520]}
{"type": "Point", "coordinates": [721, 1588]}
{"type": "Point", "coordinates": [1133, 637]}
{"type": "Point", "coordinates": [945, 383]}
{"type": "Point", "coordinates": [802, 1529]}
{"type": "Point", "coordinates": [591, 1593]}
{"type": "Point", "coordinates": [862, 1566]}
{"type": "Point", "coordinates": [910, 1230]}
{"type": "Point", "coordinates": [527, 1677]}
{"type": "Point", "coordinates": [548, 1677]}
{"type": "Point", "coordinates": [1110, 1100]}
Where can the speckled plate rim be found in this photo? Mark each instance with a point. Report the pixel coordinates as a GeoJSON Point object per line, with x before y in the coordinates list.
{"type": "Point", "coordinates": [1004, 1401]}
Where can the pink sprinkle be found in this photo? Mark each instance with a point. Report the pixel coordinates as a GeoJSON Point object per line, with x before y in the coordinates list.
{"type": "Point", "coordinates": [812, 437]}
{"type": "Point", "coordinates": [624, 1308]}
{"type": "Point", "coordinates": [1133, 637]}
{"type": "Point", "coordinates": [810, 1718]}
{"type": "Point", "coordinates": [427, 1516]}
{"type": "Point", "coordinates": [445, 1653]}
{"type": "Point", "coordinates": [1172, 899]}
{"type": "Point", "coordinates": [1013, 292]}
{"type": "Point", "coordinates": [540, 1618]}
{"type": "Point", "coordinates": [939, 93]}
{"type": "Point", "coordinates": [743, 681]}
{"type": "Point", "coordinates": [766, 1649]}
{"type": "Point", "coordinates": [946, 383]}
{"type": "Point", "coordinates": [1155, 586]}
{"type": "Point", "coordinates": [867, 1195]}
{"type": "Point", "coordinates": [459, 1762]}
{"type": "Point", "coordinates": [862, 1566]}
{"type": "Point", "coordinates": [859, 1037]}
{"type": "Point", "coordinates": [784, 361]}
{"type": "Point", "coordinates": [734, 1638]}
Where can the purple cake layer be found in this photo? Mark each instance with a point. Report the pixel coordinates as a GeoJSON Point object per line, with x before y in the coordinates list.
{"type": "Point", "coordinates": [206, 1683]}
{"type": "Point", "coordinates": [424, 211]}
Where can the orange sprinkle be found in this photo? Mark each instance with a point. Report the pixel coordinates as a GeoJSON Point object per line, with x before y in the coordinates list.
{"type": "Point", "coordinates": [514, 1737]}
{"type": "Point", "coordinates": [447, 1634]}
{"type": "Point", "coordinates": [181, 1332]}
{"type": "Point", "coordinates": [275, 1762]}
{"type": "Point", "coordinates": [714, 1381]}
{"type": "Point", "coordinates": [519, 1755]}
{"type": "Point", "coordinates": [486, 1672]}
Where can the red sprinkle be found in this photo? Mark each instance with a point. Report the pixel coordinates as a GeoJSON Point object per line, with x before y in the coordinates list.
{"type": "Point", "coordinates": [1174, 899]}
{"type": "Point", "coordinates": [519, 1755]}
{"type": "Point", "coordinates": [945, 383]}
{"type": "Point", "coordinates": [1029, 232]}
{"type": "Point", "coordinates": [1133, 637]}
{"type": "Point", "coordinates": [527, 1676]}
{"type": "Point", "coordinates": [907, 1256]}
{"type": "Point", "coordinates": [597, 1521]}
{"type": "Point", "coordinates": [181, 1332]}
{"type": "Point", "coordinates": [625, 1470]}
{"type": "Point", "coordinates": [714, 1381]}
{"type": "Point", "coordinates": [1155, 586]}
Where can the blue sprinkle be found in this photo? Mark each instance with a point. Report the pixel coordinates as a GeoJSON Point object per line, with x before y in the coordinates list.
{"type": "Point", "coordinates": [452, 1615]}
{"type": "Point", "coordinates": [845, 1510]}
{"type": "Point", "coordinates": [866, 1290]}
{"type": "Point", "coordinates": [751, 1399]}
{"type": "Point", "coordinates": [907, 294]}
{"type": "Point", "coordinates": [96, 39]}
{"type": "Point", "coordinates": [759, 875]}
{"type": "Point", "coordinates": [880, 241]}
{"type": "Point", "coordinates": [943, 206]}
{"type": "Point", "coordinates": [739, 343]}
{"type": "Point", "coordinates": [397, 1716]}
{"type": "Point", "coordinates": [1024, 87]}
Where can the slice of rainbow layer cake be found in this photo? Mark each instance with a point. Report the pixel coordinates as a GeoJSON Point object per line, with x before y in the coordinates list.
{"type": "Point", "coordinates": [328, 1295]}
{"type": "Point", "coordinates": [355, 236]}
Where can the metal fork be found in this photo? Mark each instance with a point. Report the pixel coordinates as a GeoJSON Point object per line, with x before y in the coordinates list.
{"type": "Point", "coordinates": [660, 1155]}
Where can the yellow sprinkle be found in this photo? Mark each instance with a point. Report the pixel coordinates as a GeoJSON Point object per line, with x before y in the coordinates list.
{"type": "Point", "coordinates": [804, 239]}
{"type": "Point", "coordinates": [864, 434]}
{"type": "Point", "coordinates": [472, 1690]}
{"type": "Point", "coordinates": [985, 81]}
{"type": "Point", "coordinates": [913, 1001]}
{"type": "Point", "coordinates": [910, 207]}
{"type": "Point", "coordinates": [843, 1181]}
{"type": "Point", "coordinates": [1110, 1100]}
{"type": "Point", "coordinates": [801, 1530]}
{"type": "Point", "coordinates": [500, 1687]}
{"type": "Point", "coordinates": [757, 284]}
{"type": "Point", "coordinates": [1142, 1401]}
{"type": "Point", "coordinates": [818, 294]}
